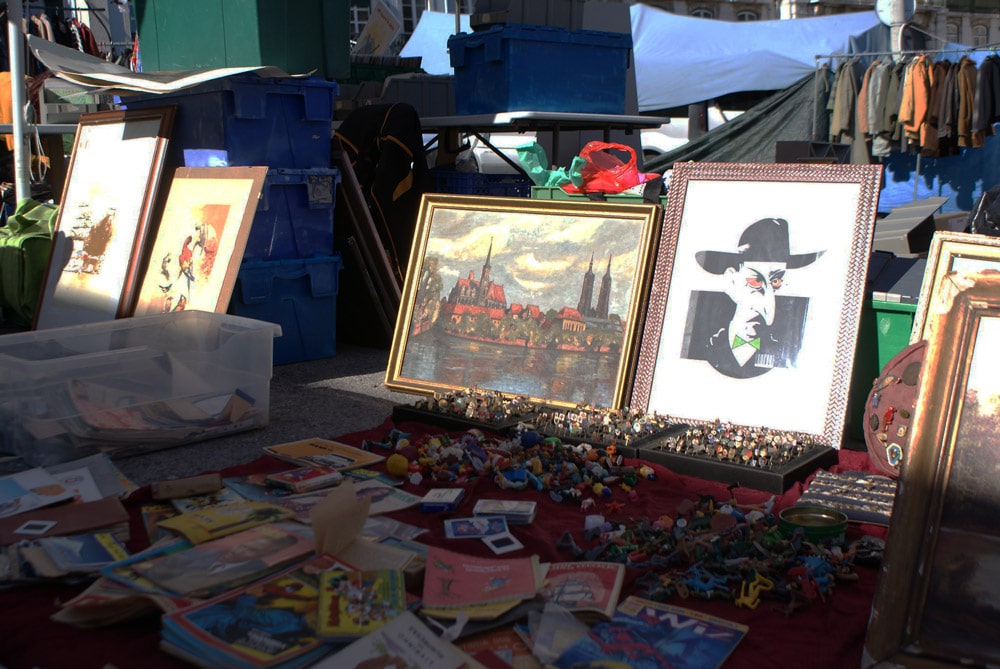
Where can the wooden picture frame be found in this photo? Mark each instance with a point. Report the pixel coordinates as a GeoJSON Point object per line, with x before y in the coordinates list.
{"type": "Point", "coordinates": [952, 252]}
{"type": "Point", "coordinates": [935, 602]}
{"type": "Point", "coordinates": [105, 216]}
{"type": "Point", "coordinates": [200, 240]}
{"type": "Point", "coordinates": [530, 297]}
{"type": "Point", "coordinates": [808, 228]}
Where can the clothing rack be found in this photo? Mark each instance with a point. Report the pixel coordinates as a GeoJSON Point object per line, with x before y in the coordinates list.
{"type": "Point", "coordinates": [963, 49]}
{"type": "Point", "coordinates": [910, 52]}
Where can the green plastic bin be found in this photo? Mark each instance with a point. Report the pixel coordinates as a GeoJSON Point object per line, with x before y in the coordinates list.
{"type": "Point", "coordinates": [297, 36]}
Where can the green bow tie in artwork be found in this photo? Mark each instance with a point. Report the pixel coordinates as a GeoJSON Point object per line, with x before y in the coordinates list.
{"type": "Point", "coordinates": [740, 341]}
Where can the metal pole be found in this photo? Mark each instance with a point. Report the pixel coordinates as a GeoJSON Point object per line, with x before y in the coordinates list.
{"type": "Point", "coordinates": [15, 38]}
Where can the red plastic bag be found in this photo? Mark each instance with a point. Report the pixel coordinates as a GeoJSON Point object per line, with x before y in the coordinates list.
{"type": "Point", "coordinates": [603, 170]}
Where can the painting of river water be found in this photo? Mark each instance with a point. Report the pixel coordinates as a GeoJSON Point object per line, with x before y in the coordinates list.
{"type": "Point", "coordinates": [525, 297]}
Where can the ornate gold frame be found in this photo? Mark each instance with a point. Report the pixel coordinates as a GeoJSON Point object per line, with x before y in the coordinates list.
{"type": "Point", "coordinates": [932, 606]}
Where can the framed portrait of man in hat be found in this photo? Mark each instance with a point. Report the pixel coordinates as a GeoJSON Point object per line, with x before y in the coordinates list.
{"type": "Point", "coordinates": [757, 292]}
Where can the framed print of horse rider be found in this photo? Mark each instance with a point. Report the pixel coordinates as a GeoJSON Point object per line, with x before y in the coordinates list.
{"type": "Point", "coordinates": [200, 240]}
{"type": "Point", "coordinates": [756, 296]}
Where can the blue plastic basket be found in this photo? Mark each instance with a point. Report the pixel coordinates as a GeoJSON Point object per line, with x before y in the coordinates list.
{"type": "Point", "coordinates": [518, 67]}
{"type": "Point", "coordinates": [300, 296]}
{"type": "Point", "coordinates": [478, 183]}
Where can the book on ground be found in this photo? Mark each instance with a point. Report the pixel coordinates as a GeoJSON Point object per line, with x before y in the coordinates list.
{"type": "Point", "coordinates": [231, 561]}
{"type": "Point", "coordinates": [648, 633]}
{"type": "Point", "coordinates": [219, 521]}
{"type": "Point", "coordinates": [306, 479]}
{"type": "Point", "coordinates": [454, 580]}
{"type": "Point", "coordinates": [403, 643]}
{"type": "Point", "coordinates": [255, 488]}
{"type": "Point", "coordinates": [384, 498]}
{"type": "Point", "coordinates": [30, 489]}
{"type": "Point", "coordinates": [324, 453]}
{"type": "Point", "coordinates": [354, 603]}
{"type": "Point", "coordinates": [269, 623]}
{"type": "Point", "coordinates": [586, 588]}
{"type": "Point", "coordinates": [222, 497]}
{"type": "Point", "coordinates": [109, 478]}
{"type": "Point", "coordinates": [83, 553]}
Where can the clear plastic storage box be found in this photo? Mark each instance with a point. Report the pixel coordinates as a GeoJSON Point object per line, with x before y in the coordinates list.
{"type": "Point", "coordinates": [133, 384]}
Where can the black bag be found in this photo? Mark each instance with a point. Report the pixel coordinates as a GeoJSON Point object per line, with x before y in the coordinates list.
{"type": "Point", "coordinates": [384, 144]}
{"type": "Point", "coordinates": [985, 218]}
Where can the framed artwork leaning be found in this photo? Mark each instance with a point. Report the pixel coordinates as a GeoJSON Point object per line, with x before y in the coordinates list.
{"type": "Point", "coordinates": [193, 262]}
{"type": "Point", "coordinates": [951, 252]}
{"type": "Point", "coordinates": [756, 296]}
{"type": "Point", "coordinates": [935, 604]}
{"type": "Point", "coordinates": [105, 216]}
{"type": "Point", "coordinates": [538, 298]}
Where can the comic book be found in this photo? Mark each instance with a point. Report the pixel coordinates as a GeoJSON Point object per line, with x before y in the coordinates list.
{"type": "Point", "coordinates": [254, 487]}
{"type": "Point", "coordinates": [588, 589]}
{"type": "Point", "coordinates": [647, 634]}
{"type": "Point", "coordinates": [30, 489]}
{"type": "Point", "coordinates": [354, 603]}
{"type": "Point", "coordinates": [505, 644]}
{"type": "Point", "coordinates": [384, 498]}
{"type": "Point", "coordinates": [231, 561]}
{"type": "Point", "coordinates": [83, 553]}
{"type": "Point", "coordinates": [222, 497]}
{"type": "Point", "coordinates": [265, 624]}
{"type": "Point", "coordinates": [404, 643]}
{"type": "Point", "coordinates": [455, 580]}
{"type": "Point", "coordinates": [306, 479]}
{"type": "Point", "coordinates": [219, 521]}
{"type": "Point", "coordinates": [324, 453]}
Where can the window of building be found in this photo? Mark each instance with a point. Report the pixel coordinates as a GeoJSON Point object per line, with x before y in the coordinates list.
{"type": "Point", "coordinates": [359, 17]}
{"type": "Point", "coordinates": [703, 13]}
{"type": "Point", "coordinates": [953, 32]}
{"type": "Point", "coordinates": [747, 15]}
{"type": "Point", "coordinates": [980, 35]}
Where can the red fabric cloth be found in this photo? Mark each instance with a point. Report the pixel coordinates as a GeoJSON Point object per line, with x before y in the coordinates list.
{"type": "Point", "coordinates": [826, 634]}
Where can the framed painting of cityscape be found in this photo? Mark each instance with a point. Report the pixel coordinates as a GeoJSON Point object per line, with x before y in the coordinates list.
{"type": "Point", "coordinates": [936, 600]}
{"type": "Point", "coordinates": [538, 298]}
{"type": "Point", "coordinates": [757, 294]}
{"type": "Point", "coordinates": [105, 216]}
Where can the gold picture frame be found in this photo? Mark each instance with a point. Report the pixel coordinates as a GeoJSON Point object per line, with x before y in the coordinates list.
{"type": "Point", "coordinates": [808, 228]}
{"type": "Point", "coordinates": [530, 297]}
{"type": "Point", "coordinates": [952, 252]}
{"type": "Point", "coordinates": [935, 602]}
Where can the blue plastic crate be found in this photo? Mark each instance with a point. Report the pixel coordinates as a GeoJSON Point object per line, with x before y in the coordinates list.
{"type": "Point", "coordinates": [300, 296]}
{"type": "Point", "coordinates": [517, 67]}
{"type": "Point", "coordinates": [294, 217]}
{"type": "Point", "coordinates": [277, 122]}
{"type": "Point", "coordinates": [478, 183]}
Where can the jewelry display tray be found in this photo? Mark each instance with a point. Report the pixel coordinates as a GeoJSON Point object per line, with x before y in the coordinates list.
{"type": "Point", "coordinates": [775, 479]}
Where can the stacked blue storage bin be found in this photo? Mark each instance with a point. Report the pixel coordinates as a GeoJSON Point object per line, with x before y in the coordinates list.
{"type": "Point", "coordinates": [289, 274]}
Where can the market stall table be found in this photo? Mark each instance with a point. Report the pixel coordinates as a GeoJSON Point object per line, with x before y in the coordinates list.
{"type": "Point", "coordinates": [480, 125]}
{"type": "Point", "coordinates": [827, 633]}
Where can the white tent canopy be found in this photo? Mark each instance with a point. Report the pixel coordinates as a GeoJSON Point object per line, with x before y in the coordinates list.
{"type": "Point", "coordinates": [680, 60]}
